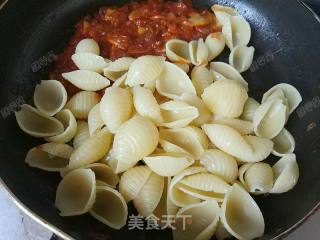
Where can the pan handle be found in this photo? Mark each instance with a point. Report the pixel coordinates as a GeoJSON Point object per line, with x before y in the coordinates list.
{"type": "Point", "coordinates": [313, 6]}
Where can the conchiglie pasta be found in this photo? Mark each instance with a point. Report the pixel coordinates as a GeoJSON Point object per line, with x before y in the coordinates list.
{"type": "Point", "coordinates": [241, 58]}
{"type": "Point", "coordinates": [104, 174]}
{"type": "Point", "coordinates": [249, 109]}
{"type": "Point", "coordinates": [215, 43]}
{"type": "Point", "coordinates": [184, 66]}
{"type": "Point", "coordinates": [243, 127]}
{"type": "Point", "coordinates": [89, 61]}
{"type": "Point", "coordinates": [284, 143]}
{"type": "Point", "coordinates": [88, 45]}
{"type": "Point", "coordinates": [118, 68]}
{"type": "Point", "coordinates": [178, 51]}
{"type": "Point", "coordinates": [82, 134]}
{"type": "Point", "coordinates": [198, 52]}
{"type": "Point", "coordinates": [223, 13]}
{"type": "Point", "coordinates": [95, 121]}
{"type": "Point", "coordinates": [201, 78]}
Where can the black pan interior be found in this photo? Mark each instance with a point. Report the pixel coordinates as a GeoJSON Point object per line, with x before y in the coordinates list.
{"type": "Point", "coordinates": [286, 37]}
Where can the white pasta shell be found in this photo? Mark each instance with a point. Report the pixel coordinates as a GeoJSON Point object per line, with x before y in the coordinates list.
{"type": "Point", "coordinates": [290, 92]}
{"type": "Point", "coordinates": [270, 118]}
{"type": "Point", "coordinates": [249, 109]}
{"type": "Point", "coordinates": [92, 150]}
{"type": "Point", "coordinates": [178, 114]}
{"type": "Point", "coordinates": [178, 51]}
{"type": "Point", "coordinates": [50, 97]}
{"type": "Point", "coordinates": [50, 157]}
{"type": "Point", "coordinates": [120, 82]}
{"type": "Point", "coordinates": [241, 58]}
{"type": "Point", "coordinates": [104, 174]}
{"type": "Point", "coordinates": [228, 140]}
{"type": "Point", "coordinates": [223, 13]}
{"type": "Point", "coordinates": [243, 127]}
{"type": "Point", "coordinates": [220, 164]}
{"type": "Point", "coordinates": [201, 78]}
{"type": "Point", "coordinates": [173, 82]}
{"type": "Point", "coordinates": [168, 164]}
{"type": "Point", "coordinates": [134, 140]}
{"type": "Point", "coordinates": [149, 196]}
{"type": "Point", "coordinates": [132, 181]}
{"type": "Point", "coordinates": [241, 215]}
{"type": "Point", "coordinates": [286, 174]}
{"type": "Point", "coordinates": [284, 143]}
{"type": "Point", "coordinates": [82, 103]}
{"type": "Point", "coordinates": [110, 208]}
{"type": "Point", "coordinates": [76, 193]}
{"type": "Point", "coordinates": [86, 80]}
{"type": "Point", "coordinates": [120, 166]}
{"type": "Point", "coordinates": [216, 44]}
{"type": "Point", "coordinates": [88, 46]}
{"type": "Point", "coordinates": [145, 69]}
{"type": "Point", "coordinates": [205, 215]}
{"type": "Point", "coordinates": [200, 135]}
{"type": "Point", "coordinates": [198, 52]}
{"type": "Point", "coordinates": [225, 98]}
{"type": "Point", "coordinates": [95, 121]}
{"type": "Point", "coordinates": [89, 61]}
{"type": "Point", "coordinates": [82, 134]}
{"type": "Point", "coordinates": [36, 124]}
{"type": "Point", "coordinates": [116, 107]}
{"type": "Point", "coordinates": [184, 66]}
{"type": "Point", "coordinates": [118, 68]}
{"type": "Point", "coordinates": [236, 31]}
{"type": "Point", "coordinates": [146, 104]}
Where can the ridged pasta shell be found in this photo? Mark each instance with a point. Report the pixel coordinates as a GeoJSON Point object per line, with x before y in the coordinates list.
{"type": "Point", "coordinates": [243, 127]}
{"type": "Point", "coordinates": [201, 78]}
{"type": "Point", "coordinates": [178, 51]}
{"type": "Point", "coordinates": [50, 97]}
{"type": "Point", "coordinates": [86, 80]}
{"type": "Point", "coordinates": [198, 52]}
{"type": "Point", "coordinates": [134, 140]}
{"type": "Point", "coordinates": [149, 196]}
{"type": "Point", "coordinates": [184, 66]}
{"type": "Point", "coordinates": [104, 174]}
{"type": "Point", "coordinates": [241, 58]}
{"type": "Point", "coordinates": [221, 164]}
{"type": "Point", "coordinates": [173, 82]}
{"type": "Point", "coordinates": [50, 157]}
{"type": "Point", "coordinates": [178, 114]}
{"type": "Point", "coordinates": [225, 98]}
{"type": "Point", "coordinates": [168, 164]}
{"type": "Point", "coordinates": [241, 215]}
{"type": "Point", "coordinates": [249, 109]}
{"type": "Point", "coordinates": [81, 103]}
{"type": "Point", "coordinates": [36, 124]}
{"type": "Point", "coordinates": [120, 166]}
{"type": "Point", "coordinates": [116, 107]}
{"type": "Point", "coordinates": [82, 134]}
{"type": "Point", "coordinates": [216, 44]}
{"type": "Point", "coordinates": [76, 193]}
{"type": "Point", "coordinates": [290, 92]}
{"type": "Point", "coordinates": [286, 174]}
{"type": "Point", "coordinates": [284, 143]}
{"type": "Point", "coordinates": [88, 46]}
{"type": "Point", "coordinates": [228, 140]}
{"type": "Point", "coordinates": [145, 69]}
{"type": "Point", "coordinates": [237, 32]}
{"type": "Point", "coordinates": [92, 150]}
{"type": "Point", "coordinates": [89, 61]}
{"type": "Point", "coordinates": [95, 121]}
{"type": "Point", "coordinates": [110, 208]}
{"type": "Point", "coordinates": [223, 13]}
{"type": "Point", "coordinates": [118, 68]}
{"type": "Point", "coordinates": [121, 81]}
{"type": "Point", "coordinates": [205, 215]}
{"type": "Point", "coordinates": [132, 181]}
{"type": "Point", "coordinates": [270, 118]}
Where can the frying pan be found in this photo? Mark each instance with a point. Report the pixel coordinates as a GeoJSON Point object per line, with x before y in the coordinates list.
{"type": "Point", "coordinates": [286, 37]}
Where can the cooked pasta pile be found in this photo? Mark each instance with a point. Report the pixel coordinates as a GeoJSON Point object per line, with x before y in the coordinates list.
{"type": "Point", "coordinates": [171, 142]}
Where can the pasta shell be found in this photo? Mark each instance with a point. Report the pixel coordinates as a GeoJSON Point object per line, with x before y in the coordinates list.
{"type": "Point", "coordinates": [120, 166]}
{"type": "Point", "coordinates": [104, 174]}
{"type": "Point", "coordinates": [146, 104]}
{"type": "Point", "coordinates": [201, 78]}
{"type": "Point", "coordinates": [134, 140]}
{"type": "Point", "coordinates": [118, 68]}
{"type": "Point", "coordinates": [76, 193]}
{"type": "Point", "coordinates": [270, 118]}
{"type": "Point", "coordinates": [86, 80]}
{"type": "Point", "coordinates": [120, 82]}
{"type": "Point", "coordinates": [206, 216]}
{"type": "Point", "coordinates": [286, 174]}
{"type": "Point", "coordinates": [110, 208]}
{"type": "Point", "coordinates": [95, 121]}
{"type": "Point", "coordinates": [200, 135]}
{"type": "Point", "coordinates": [243, 127]}
{"type": "Point", "coordinates": [89, 61]}
{"type": "Point", "coordinates": [178, 114]}
{"type": "Point", "coordinates": [149, 196]}
{"type": "Point", "coordinates": [116, 107]}
{"type": "Point", "coordinates": [225, 98]}
{"type": "Point", "coordinates": [145, 69]}
{"type": "Point", "coordinates": [92, 150]}
{"type": "Point", "coordinates": [50, 157]}
{"type": "Point", "coordinates": [249, 109]}
{"type": "Point", "coordinates": [168, 164]}
{"type": "Point", "coordinates": [178, 51]}
{"type": "Point", "coordinates": [284, 143]}
{"type": "Point", "coordinates": [36, 124]}
{"type": "Point", "coordinates": [88, 46]}
{"type": "Point", "coordinates": [221, 164]}
{"type": "Point", "coordinates": [82, 134]}
{"type": "Point", "coordinates": [50, 97]}
{"type": "Point", "coordinates": [216, 44]}
{"type": "Point", "coordinates": [228, 140]}
{"type": "Point", "coordinates": [290, 92]}
{"type": "Point", "coordinates": [223, 13]}
{"type": "Point", "coordinates": [241, 58]}
{"type": "Point", "coordinates": [81, 103]}
{"type": "Point", "coordinates": [132, 181]}
{"type": "Point", "coordinates": [70, 127]}
{"type": "Point", "coordinates": [238, 208]}
{"type": "Point", "coordinates": [199, 52]}
{"type": "Point", "coordinates": [184, 66]}
{"type": "Point", "coordinates": [173, 82]}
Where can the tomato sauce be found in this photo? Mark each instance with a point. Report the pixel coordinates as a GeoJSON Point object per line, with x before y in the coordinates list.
{"type": "Point", "coordinates": [136, 29]}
